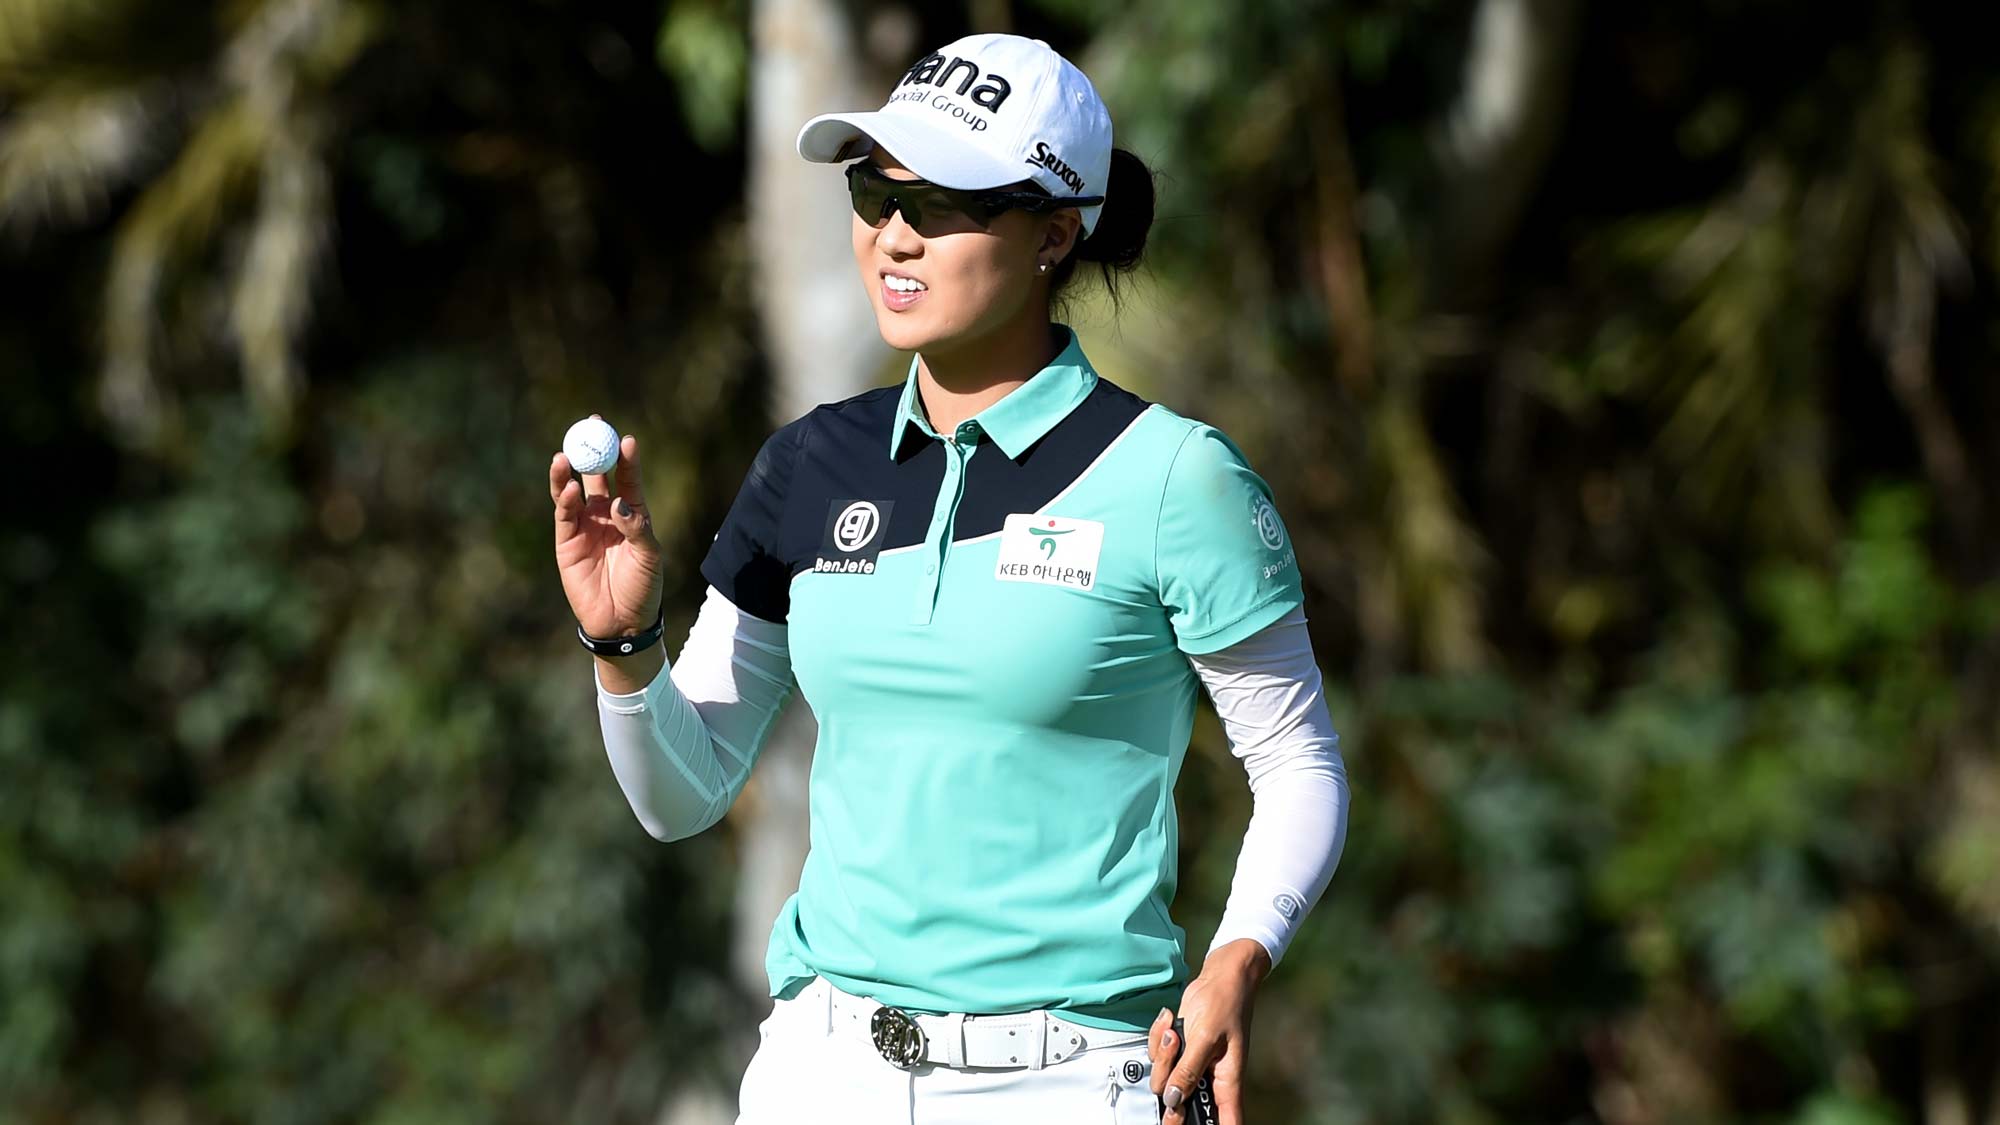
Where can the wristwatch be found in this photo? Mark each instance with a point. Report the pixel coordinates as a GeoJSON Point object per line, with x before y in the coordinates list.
{"type": "Point", "coordinates": [625, 646]}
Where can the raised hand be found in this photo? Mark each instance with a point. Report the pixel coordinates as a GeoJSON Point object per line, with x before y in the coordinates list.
{"type": "Point", "coordinates": [605, 549]}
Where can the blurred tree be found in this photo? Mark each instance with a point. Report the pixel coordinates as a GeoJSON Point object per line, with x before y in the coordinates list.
{"type": "Point", "coordinates": [1620, 370]}
{"type": "Point", "coordinates": [1553, 387]}
{"type": "Point", "coordinates": [819, 330]}
{"type": "Point", "coordinates": [315, 824]}
{"type": "Point", "coordinates": [99, 92]}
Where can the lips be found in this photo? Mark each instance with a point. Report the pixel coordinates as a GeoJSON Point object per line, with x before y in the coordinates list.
{"type": "Point", "coordinates": [900, 291]}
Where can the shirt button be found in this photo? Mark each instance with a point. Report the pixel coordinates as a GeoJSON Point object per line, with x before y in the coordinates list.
{"type": "Point", "coordinates": [930, 568]}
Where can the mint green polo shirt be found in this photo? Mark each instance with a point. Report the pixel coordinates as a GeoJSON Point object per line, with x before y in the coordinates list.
{"type": "Point", "coordinates": [991, 627]}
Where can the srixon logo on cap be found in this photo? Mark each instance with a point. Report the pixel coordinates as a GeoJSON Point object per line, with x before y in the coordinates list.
{"type": "Point", "coordinates": [935, 70]}
{"type": "Point", "coordinates": [1045, 158]}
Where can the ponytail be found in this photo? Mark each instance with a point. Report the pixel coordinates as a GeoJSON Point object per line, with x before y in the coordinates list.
{"type": "Point", "coordinates": [1122, 224]}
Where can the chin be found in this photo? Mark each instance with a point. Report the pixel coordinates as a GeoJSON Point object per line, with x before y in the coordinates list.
{"type": "Point", "coordinates": [903, 332]}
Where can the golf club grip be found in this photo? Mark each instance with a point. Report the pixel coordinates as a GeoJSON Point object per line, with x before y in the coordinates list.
{"type": "Point", "coordinates": [1200, 1101]}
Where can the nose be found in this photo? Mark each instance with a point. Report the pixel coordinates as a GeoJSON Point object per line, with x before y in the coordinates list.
{"type": "Point", "coordinates": [896, 236]}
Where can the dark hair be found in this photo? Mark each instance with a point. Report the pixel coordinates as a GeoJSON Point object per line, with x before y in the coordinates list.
{"type": "Point", "coordinates": [1122, 223]}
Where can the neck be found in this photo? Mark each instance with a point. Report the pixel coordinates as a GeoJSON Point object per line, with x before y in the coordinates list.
{"type": "Point", "coordinates": [958, 383]}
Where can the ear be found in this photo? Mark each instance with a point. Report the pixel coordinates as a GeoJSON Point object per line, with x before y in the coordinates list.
{"type": "Point", "coordinates": [1060, 235]}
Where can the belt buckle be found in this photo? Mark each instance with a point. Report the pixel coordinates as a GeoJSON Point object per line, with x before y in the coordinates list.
{"type": "Point", "coordinates": [897, 1037]}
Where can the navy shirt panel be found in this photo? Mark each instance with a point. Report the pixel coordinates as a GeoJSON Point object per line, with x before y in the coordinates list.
{"type": "Point", "coordinates": [997, 486]}
{"type": "Point", "coordinates": [837, 454]}
{"type": "Point", "coordinates": [845, 457]}
{"type": "Point", "coordinates": [747, 562]}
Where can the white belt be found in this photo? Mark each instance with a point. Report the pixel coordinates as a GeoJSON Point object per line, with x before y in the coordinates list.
{"type": "Point", "coordinates": [1030, 1039]}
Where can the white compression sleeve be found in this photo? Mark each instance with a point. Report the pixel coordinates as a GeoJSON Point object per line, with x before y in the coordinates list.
{"type": "Point", "coordinates": [1266, 691]}
{"type": "Point", "coordinates": [683, 745]}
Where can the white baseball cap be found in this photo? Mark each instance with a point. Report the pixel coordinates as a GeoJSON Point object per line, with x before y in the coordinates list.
{"type": "Point", "coordinates": [984, 112]}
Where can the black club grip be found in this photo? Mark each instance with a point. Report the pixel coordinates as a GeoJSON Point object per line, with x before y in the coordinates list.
{"type": "Point", "coordinates": [1199, 1104]}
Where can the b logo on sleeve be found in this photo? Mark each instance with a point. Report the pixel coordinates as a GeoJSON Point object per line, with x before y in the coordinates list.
{"type": "Point", "coordinates": [1050, 550]}
{"type": "Point", "coordinates": [1272, 532]}
{"type": "Point", "coordinates": [1268, 528]}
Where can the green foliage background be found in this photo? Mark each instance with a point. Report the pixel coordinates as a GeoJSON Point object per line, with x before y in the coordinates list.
{"type": "Point", "coordinates": [1644, 482]}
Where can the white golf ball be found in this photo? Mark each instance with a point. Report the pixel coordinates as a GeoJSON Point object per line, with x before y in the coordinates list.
{"type": "Point", "coordinates": [591, 446]}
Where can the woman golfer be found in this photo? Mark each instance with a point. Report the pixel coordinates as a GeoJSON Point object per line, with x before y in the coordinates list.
{"type": "Point", "coordinates": [998, 586]}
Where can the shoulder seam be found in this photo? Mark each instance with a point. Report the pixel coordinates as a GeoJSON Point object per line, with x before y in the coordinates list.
{"type": "Point", "coordinates": [799, 438]}
{"type": "Point", "coordinates": [1119, 388]}
{"type": "Point", "coordinates": [1174, 415]}
{"type": "Point", "coordinates": [1160, 511]}
{"type": "Point", "coordinates": [867, 397]}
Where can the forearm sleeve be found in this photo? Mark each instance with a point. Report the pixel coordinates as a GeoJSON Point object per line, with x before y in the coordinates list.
{"type": "Point", "coordinates": [1266, 691]}
{"type": "Point", "coordinates": [683, 745]}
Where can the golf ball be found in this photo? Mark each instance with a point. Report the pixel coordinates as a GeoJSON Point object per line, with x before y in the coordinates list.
{"type": "Point", "coordinates": [591, 446]}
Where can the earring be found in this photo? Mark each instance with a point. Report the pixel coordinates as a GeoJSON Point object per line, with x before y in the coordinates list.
{"type": "Point", "coordinates": [1042, 268]}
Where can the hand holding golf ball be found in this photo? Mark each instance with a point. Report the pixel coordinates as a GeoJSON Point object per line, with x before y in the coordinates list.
{"type": "Point", "coordinates": [591, 446]}
{"type": "Point", "coordinates": [605, 549]}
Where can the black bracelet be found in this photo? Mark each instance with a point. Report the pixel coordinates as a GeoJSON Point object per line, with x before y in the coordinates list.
{"type": "Point", "coordinates": [625, 646]}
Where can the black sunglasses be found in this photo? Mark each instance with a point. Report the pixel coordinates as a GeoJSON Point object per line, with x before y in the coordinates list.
{"type": "Point", "coordinates": [875, 195]}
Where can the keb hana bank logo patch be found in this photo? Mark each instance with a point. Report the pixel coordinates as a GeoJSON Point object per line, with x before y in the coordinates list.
{"type": "Point", "coordinates": [1051, 550]}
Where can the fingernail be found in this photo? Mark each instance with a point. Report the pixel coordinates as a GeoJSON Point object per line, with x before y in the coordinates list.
{"type": "Point", "coordinates": [1167, 1040]}
{"type": "Point", "coordinates": [624, 509]}
{"type": "Point", "coordinates": [1165, 1013]}
{"type": "Point", "coordinates": [1173, 1098]}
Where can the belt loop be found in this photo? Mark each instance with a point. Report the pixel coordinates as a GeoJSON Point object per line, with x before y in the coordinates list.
{"type": "Point", "coordinates": [954, 1039]}
{"type": "Point", "coordinates": [1038, 1057]}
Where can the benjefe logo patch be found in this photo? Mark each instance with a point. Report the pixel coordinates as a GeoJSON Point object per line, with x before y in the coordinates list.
{"type": "Point", "coordinates": [853, 536]}
{"type": "Point", "coordinates": [1050, 550]}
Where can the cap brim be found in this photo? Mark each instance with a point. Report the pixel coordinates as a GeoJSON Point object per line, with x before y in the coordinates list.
{"type": "Point", "coordinates": [940, 154]}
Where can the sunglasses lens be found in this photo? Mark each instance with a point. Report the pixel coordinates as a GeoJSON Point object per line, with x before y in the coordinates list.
{"type": "Point", "coordinates": [875, 194]}
{"type": "Point", "coordinates": [869, 195]}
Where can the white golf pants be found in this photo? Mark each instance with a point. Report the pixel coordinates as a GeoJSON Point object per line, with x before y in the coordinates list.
{"type": "Point", "coordinates": [814, 1066]}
